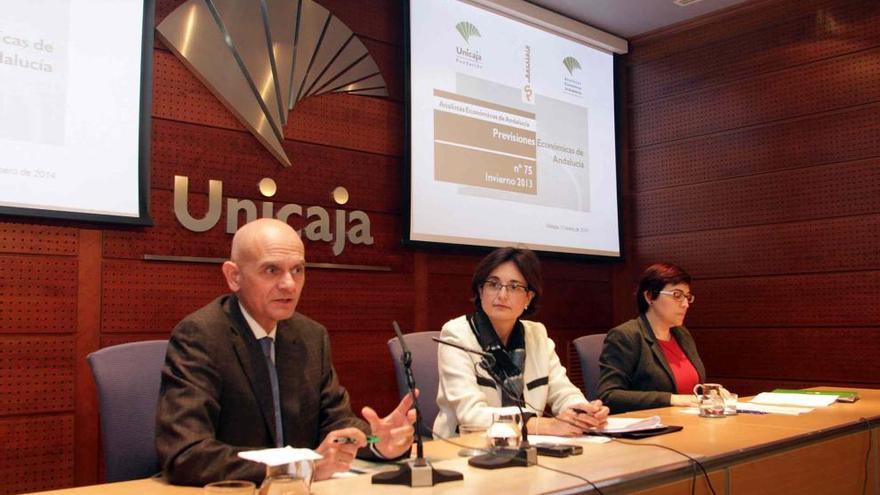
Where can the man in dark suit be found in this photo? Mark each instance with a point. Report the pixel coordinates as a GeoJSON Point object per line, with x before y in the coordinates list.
{"type": "Point", "coordinates": [232, 361]}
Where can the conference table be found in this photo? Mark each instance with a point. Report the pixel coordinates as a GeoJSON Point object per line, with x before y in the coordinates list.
{"type": "Point", "coordinates": [829, 450]}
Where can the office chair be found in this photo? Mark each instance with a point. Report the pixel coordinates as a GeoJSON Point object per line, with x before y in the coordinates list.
{"type": "Point", "coordinates": [127, 378]}
{"type": "Point", "coordinates": [589, 348]}
{"type": "Point", "coordinates": [424, 366]}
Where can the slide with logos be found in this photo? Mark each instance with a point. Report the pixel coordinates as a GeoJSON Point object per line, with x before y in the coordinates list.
{"type": "Point", "coordinates": [512, 134]}
{"type": "Point", "coordinates": [70, 91]}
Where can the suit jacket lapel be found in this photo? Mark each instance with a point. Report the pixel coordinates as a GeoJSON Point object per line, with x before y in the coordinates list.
{"type": "Point", "coordinates": [655, 347]}
{"type": "Point", "coordinates": [253, 362]}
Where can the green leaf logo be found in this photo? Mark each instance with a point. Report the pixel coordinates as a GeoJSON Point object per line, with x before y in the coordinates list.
{"type": "Point", "coordinates": [466, 30]}
{"type": "Point", "coordinates": [571, 64]}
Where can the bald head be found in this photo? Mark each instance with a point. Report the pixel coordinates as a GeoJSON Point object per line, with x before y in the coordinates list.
{"type": "Point", "coordinates": [251, 239]}
{"type": "Point", "coordinates": [266, 270]}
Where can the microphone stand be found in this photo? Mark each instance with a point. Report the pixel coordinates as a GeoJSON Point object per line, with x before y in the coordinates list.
{"type": "Point", "coordinates": [417, 472]}
{"type": "Point", "coordinates": [525, 455]}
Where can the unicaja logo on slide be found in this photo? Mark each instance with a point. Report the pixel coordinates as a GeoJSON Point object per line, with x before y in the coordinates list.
{"type": "Point", "coordinates": [467, 30]}
{"type": "Point", "coordinates": [571, 64]}
{"type": "Point", "coordinates": [468, 56]}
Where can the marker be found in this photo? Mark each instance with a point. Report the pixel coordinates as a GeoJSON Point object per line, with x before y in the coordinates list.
{"type": "Point", "coordinates": [349, 440]}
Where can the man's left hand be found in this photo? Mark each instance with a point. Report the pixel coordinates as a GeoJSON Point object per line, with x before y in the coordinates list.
{"type": "Point", "coordinates": [395, 431]}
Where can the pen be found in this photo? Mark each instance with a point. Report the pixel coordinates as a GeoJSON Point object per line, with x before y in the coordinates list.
{"type": "Point", "coordinates": [581, 411]}
{"type": "Point", "coordinates": [751, 412]}
{"type": "Point", "coordinates": [349, 440]}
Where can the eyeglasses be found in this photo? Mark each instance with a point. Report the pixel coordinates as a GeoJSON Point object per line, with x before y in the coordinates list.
{"type": "Point", "coordinates": [679, 295]}
{"type": "Point", "coordinates": [494, 287]}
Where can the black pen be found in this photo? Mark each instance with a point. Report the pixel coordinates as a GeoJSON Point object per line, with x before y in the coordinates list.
{"type": "Point", "coordinates": [581, 411]}
{"type": "Point", "coordinates": [349, 440]}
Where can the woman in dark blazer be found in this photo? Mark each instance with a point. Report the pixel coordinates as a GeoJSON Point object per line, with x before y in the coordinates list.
{"type": "Point", "coordinates": [652, 361]}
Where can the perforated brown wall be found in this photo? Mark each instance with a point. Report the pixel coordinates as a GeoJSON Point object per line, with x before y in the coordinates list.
{"type": "Point", "coordinates": [39, 294]}
{"type": "Point", "coordinates": [36, 374]}
{"type": "Point", "coordinates": [36, 453]}
{"type": "Point", "coordinates": [756, 166]}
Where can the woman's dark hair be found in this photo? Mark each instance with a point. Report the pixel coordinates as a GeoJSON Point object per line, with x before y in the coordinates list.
{"type": "Point", "coordinates": [524, 259]}
{"type": "Point", "coordinates": [655, 278]}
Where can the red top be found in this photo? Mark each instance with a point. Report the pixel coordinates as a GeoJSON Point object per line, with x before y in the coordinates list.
{"type": "Point", "coordinates": [683, 370]}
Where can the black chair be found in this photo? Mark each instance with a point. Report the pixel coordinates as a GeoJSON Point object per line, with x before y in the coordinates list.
{"type": "Point", "coordinates": [589, 348]}
{"type": "Point", "coordinates": [424, 366]}
{"type": "Point", "coordinates": [128, 377]}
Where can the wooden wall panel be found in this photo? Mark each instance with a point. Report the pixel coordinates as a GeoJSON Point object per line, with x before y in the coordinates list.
{"type": "Point", "coordinates": [803, 37]}
{"type": "Point", "coordinates": [36, 374]}
{"type": "Point", "coordinates": [360, 363]}
{"type": "Point", "coordinates": [748, 18]}
{"type": "Point", "coordinates": [354, 122]}
{"type": "Point", "coordinates": [830, 245]}
{"type": "Point", "coordinates": [36, 453]}
{"type": "Point", "coordinates": [26, 238]}
{"type": "Point", "coordinates": [151, 297]}
{"type": "Point", "coordinates": [824, 191]}
{"type": "Point", "coordinates": [792, 353]}
{"type": "Point", "coordinates": [847, 80]}
{"type": "Point", "coordinates": [204, 153]}
{"type": "Point", "coordinates": [755, 162]}
{"type": "Point", "coordinates": [845, 298]}
{"type": "Point", "coordinates": [37, 294]}
{"type": "Point", "coordinates": [572, 304]}
{"type": "Point", "coordinates": [840, 136]}
{"type": "Point", "coordinates": [365, 302]}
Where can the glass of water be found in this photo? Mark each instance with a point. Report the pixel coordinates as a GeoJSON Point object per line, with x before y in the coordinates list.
{"type": "Point", "coordinates": [474, 437]}
{"type": "Point", "coordinates": [505, 432]}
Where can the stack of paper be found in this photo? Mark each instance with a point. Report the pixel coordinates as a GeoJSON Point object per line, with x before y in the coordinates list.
{"type": "Point", "coordinates": [623, 425]}
{"type": "Point", "coordinates": [281, 455]}
{"type": "Point", "coordinates": [763, 408]}
{"type": "Point", "coordinates": [799, 400]}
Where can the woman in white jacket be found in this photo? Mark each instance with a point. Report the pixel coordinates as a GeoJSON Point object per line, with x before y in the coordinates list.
{"type": "Point", "coordinates": [507, 285]}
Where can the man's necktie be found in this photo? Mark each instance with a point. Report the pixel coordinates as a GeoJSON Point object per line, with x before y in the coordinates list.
{"type": "Point", "coordinates": [266, 343]}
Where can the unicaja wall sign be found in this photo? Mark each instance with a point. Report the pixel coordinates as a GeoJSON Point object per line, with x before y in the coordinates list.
{"type": "Point", "coordinates": [260, 57]}
{"type": "Point", "coordinates": [337, 227]}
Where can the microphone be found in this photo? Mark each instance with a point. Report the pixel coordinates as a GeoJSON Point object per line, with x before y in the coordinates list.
{"type": "Point", "coordinates": [511, 386]}
{"type": "Point", "coordinates": [419, 471]}
{"type": "Point", "coordinates": [489, 359]}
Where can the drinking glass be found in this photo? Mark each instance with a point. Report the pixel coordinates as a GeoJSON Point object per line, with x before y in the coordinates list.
{"type": "Point", "coordinates": [505, 432]}
{"type": "Point", "coordinates": [474, 437]}
{"type": "Point", "coordinates": [288, 479]}
{"type": "Point", "coordinates": [711, 406]}
{"type": "Point", "coordinates": [730, 403]}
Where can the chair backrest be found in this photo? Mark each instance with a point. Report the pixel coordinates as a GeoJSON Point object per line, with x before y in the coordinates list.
{"type": "Point", "coordinates": [128, 378]}
{"type": "Point", "coordinates": [424, 367]}
{"type": "Point", "coordinates": [589, 348]}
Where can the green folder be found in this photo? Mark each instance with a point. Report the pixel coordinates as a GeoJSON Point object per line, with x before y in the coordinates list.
{"type": "Point", "coordinates": [842, 395]}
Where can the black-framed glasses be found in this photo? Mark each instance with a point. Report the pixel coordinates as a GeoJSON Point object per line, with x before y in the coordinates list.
{"type": "Point", "coordinates": [494, 287]}
{"type": "Point", "coordinates": [679, 295]}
